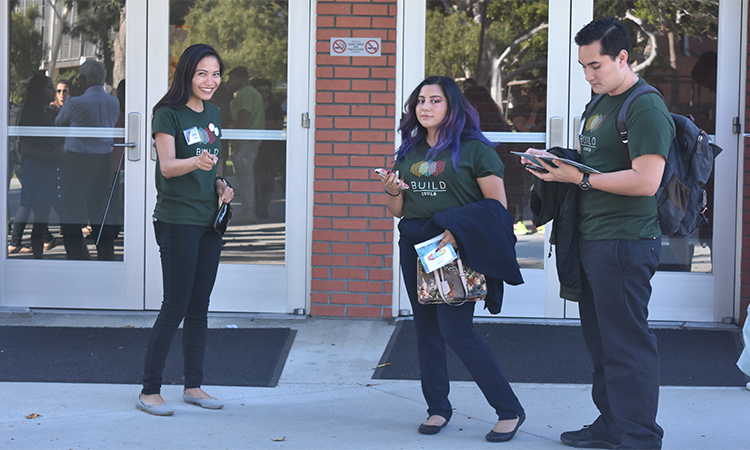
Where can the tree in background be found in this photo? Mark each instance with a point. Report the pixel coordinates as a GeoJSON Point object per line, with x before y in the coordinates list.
{"type": "Point", "coordinates": [493, 41]}
{"type": "Point", "coordinates": [97, 21]}
{"type": "Point", "coordinates": [25, 49]}
{"type": "Point", "coordinates": [250, 33]}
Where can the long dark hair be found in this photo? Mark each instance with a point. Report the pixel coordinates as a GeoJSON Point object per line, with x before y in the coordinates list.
{"type": "Point", "coordinates": [35, 106]}
{"type": "Point", "coordinates": [461, 122]}
{"type": "Point", "coordinates": [182, 83]}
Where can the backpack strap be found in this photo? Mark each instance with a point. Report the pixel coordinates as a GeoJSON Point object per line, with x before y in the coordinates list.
{"type": "Point", "coordinates": [622, 117]}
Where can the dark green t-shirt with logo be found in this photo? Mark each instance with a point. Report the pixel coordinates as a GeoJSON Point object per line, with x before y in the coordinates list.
{"type": "Point", "coordinates": [602, 215]}
{"type": "Point", "coordinates": [189, 199]}
{"type": "Point", "coordinates": [435, 186]}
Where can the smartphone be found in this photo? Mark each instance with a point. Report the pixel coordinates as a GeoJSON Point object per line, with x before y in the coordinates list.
{"type": "Point", "coordinates": [537, 168]}
{"type": "Point", "coordinates": [383, 173]}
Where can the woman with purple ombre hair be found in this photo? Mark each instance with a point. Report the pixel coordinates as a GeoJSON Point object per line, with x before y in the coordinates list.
{"type": "Point", "coordinates": [448, 165]}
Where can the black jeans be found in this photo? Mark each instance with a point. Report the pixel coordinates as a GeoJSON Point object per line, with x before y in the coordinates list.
{"type": "Point", "coordinates": [189, 261]}
{"type": "Point", "coordinates": [438, 325]}
{"type": "Point", "coordinates": [614, 312]}
{"type": "Point", "coordinates": [85, 184]}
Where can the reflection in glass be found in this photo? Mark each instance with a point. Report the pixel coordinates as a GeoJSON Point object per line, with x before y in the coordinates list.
{"type": "Point", "coordinates": [497, 50]}
{"type": "Point", "coordinates": [65, 184]}
{"type": "Point", "coordinates": [251, 36]}
{"type": "Point", "coordinates": [674, 48]}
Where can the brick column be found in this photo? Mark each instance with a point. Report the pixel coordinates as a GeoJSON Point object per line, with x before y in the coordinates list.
{"type": "Point", "coordinates": [352, 250]}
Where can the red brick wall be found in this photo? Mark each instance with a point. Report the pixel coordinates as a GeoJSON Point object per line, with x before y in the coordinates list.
{"type": "Point", "coordinates": [352, 250]}
{"type": "Point", "coordinates": [745, 267]}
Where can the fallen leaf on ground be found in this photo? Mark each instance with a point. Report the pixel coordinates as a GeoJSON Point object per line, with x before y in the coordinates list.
{"type": "Point", "coordinates": [279, 440]}
{"type": "Point", "coordinates": [33, 416]}
{"type": "Point", "coordinates": [383, 365]}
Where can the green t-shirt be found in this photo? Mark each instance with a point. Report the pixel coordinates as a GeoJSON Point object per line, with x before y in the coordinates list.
{"type": "Point", "coordinates": [602, 215]}
{"type": "Point", "coordinates": [435, 186]}
{"type": "Point", "coordinates": [189, 199]}
{"type": "Point", "coordinates": [249, 99]}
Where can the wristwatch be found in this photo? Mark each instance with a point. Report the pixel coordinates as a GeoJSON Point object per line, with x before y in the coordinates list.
{"type": "Point", "coordinates": [584, 184]}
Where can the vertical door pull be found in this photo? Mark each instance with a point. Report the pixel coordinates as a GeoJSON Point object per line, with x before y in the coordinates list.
{"type": "Point", "coordinates": [132, 137]}
{"type": "Point", "coordinates": [556, 132]}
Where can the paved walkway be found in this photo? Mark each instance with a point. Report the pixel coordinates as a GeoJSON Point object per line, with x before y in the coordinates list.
{"type": "Point", "coordinates": [326, 399]}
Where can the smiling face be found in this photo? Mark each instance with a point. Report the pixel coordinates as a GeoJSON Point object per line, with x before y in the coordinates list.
{"type": "Point", "coordinates": [206, 80]}
{"type": "Point", "coordinates": [432, 107]}
{"type": "Point", "coordinates": [605, 75]}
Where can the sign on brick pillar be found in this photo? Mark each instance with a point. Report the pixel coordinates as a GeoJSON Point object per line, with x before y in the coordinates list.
{"type": "Point", "coordinates": [354, 132]}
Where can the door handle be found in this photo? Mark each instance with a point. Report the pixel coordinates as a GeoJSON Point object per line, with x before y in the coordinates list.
{"type": "Point", "coordinates": [556, 132]}
{"type": "Point", "coordinates": [133, 137]}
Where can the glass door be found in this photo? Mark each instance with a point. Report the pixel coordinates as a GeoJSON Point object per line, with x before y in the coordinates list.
{"type": "Point", "coordinates": [518, 65]}
{"type": "Point", "coordinates": [263, 96]}
{"type": "Point", "coordinates": [74, 166]}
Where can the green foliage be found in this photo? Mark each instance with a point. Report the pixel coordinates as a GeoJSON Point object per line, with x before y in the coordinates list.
{"type": "Point", "coordinates": [96, 21]}
{"type": "Point", "coordinates": [452, 44]}
{"type": "Point", "coordinates": [453, 34]}
{"type": "Point", "coordinates": [25, 49]}
{"type": "Point", "coordinates": [250, 33]}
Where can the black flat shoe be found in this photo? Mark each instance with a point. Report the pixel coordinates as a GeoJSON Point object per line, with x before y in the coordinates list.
{"type": "Point", "coordinates": [431, 429]}
{"type": "Point", "coordinates": [493, 436]}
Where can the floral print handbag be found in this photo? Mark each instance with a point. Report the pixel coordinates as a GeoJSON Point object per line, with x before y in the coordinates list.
{"type": "Point", "coordinates": [453, 284]}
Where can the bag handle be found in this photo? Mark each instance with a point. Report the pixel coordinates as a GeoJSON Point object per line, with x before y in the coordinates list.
{"type": "Point", "coordinates": [442, 284]}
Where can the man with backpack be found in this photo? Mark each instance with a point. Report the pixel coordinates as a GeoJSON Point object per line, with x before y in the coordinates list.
{"type": "Point", "coordinates": [619, 240]}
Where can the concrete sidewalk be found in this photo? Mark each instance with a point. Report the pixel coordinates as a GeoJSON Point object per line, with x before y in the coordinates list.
{"type": "Point", "coordinates": [326, 399]}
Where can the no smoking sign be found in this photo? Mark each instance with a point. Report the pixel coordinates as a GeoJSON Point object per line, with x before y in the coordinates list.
{"type": "Point", "coordinates": [355, 46]}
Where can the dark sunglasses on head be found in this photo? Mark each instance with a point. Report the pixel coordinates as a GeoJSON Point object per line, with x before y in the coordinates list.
{"type": "Point", "coordinates": [60, 91]}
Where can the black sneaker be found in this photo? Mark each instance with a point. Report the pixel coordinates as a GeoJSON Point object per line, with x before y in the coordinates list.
{"type": "Point", "coordinates": [585, 438]}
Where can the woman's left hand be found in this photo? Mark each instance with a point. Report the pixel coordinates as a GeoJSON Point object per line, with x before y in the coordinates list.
{"type": "Point", "coordinates": [448, 237]}
{"type": "Point", "coordinates": [226, 193]}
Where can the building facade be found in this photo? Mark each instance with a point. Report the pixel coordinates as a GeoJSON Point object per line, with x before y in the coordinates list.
{"type": "Point", "coordinates": [311, 233]}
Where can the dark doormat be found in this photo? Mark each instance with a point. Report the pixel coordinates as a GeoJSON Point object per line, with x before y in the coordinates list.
{"type": "Point", "coordinates": [557, 354]}
{"type": "Point", "coordinates": [234, 357]}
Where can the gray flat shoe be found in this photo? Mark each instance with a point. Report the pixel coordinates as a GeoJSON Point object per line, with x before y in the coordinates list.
{"type": "Point", "coordinates": [160, 410]}
{"type": "Point", "coordinates": [203, 402]}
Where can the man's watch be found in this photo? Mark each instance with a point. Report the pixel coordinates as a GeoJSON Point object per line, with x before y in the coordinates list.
{"type": "Point", "coordinates": [584, 184]}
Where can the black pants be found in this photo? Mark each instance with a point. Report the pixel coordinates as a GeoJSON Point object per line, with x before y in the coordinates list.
{"type": "Point", "coordinates": [614, 311]}
{"type": "Point", "coordinates": [189, 261]}
{"type": "Point", "coordinates": [438, 325]}
{"type": "Point", "coordinates": [85, 185]}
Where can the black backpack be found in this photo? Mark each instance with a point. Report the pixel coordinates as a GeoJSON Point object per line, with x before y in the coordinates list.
{"type": "Point", "coordinates": [681, 200]}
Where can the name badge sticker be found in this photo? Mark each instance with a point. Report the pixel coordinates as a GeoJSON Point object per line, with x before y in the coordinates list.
{"type": "Point", "coordinates": [192, 136]}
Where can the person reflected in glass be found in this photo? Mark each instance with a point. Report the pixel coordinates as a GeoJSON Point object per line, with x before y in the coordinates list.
{"type": "Point", "coordinates": [490, 116]}
{"type": "Point", "coordinates": [529, 113]}
{"type": "Point", "coordinates": [186, 129]}
{"type": "Point", "coordinates": [86, 175]}
{"type": "Point", "coordinates": [41, 158]}
{"type": "Point", "coordinates": [247, 114]}
{"type": "Point", "coordinates": [270, 164]}
{"type": "Point", "coordinates": [61, 94]}
{"type": "Point", "coordinates": [451, 168]}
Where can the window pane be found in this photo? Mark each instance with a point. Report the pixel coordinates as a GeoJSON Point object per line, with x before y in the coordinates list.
{"type": "Point", "coordinates": [674, 48]}
{"type": "Point", "coordinates": [65, 176]}
{"type": "Point", "coordinates": [497, 50]}
{"type": "Point", "coordinates": [251, 37]}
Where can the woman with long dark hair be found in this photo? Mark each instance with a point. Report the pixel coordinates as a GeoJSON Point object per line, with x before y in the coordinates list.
{"type": "Point", "coordinates": [453, 171]}
{"type": "Point", "coordinates": [41, 160]}
{"type": "Point", "coordinates": [186, 128]}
